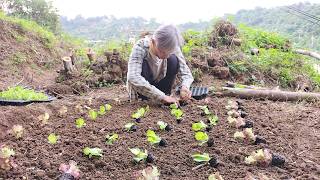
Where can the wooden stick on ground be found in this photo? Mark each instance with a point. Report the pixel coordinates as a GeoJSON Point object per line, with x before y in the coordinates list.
{"type": "Point", "coordinates": [308, 53]}
{"type": "Point", "coordinates": [270, 94]}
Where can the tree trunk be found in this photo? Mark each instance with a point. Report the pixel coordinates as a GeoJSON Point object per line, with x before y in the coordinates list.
{"type": "Point", "coordinates": [67, 64]}
{"type": "Point", "coordinates": [237, 42]}
{"type": "Point", "coordinates": [270, 94]}
{"type": "Point", "coordinates": [91, 55]}
{"type": "Point", "coordinates": [308, 53]}
{"type": "Point", "coordinates": [73, 59]}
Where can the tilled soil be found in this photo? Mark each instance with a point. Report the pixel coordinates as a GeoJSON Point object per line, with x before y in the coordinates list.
{"type": "Point", "coordinates": [290, 129]}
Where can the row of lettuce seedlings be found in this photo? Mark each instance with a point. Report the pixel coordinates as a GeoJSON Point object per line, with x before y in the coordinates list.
{"type": "Point", "coordinates": [236, 119]}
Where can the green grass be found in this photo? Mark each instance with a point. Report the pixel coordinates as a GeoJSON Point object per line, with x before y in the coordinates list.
{"type": "Point", "coordinates": [48, 37]}
{"type": "Point", "coordinates": [257, 38]}
{"type": "Point", "coordinates": [278, 62]}
{"type": "Point", "coordinates": [194, 40]}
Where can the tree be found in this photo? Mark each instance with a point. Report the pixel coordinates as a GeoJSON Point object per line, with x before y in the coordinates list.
{"type": "Point", "coordinates": [40, 11]}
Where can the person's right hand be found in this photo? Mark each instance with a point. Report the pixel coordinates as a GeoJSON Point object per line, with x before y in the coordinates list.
{"type": "Point", "coordinates": [170, 100]}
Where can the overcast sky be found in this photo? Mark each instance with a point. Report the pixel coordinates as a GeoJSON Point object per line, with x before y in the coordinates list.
{"type": "Point", "coordinates": [165, 11]}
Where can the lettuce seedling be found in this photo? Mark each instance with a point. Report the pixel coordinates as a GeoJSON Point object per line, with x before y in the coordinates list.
{"type": "Point", "coordinates": [173, 106]}
{"type": "Point", "coordinates": [6, 154]}
{"type": "Point", "coordinates": [239, 122]}
{"type": "Point", "coordinates": [111, 138]}
{"type": "Point", "coordinates": [108, 107]}
{"type": "Point", "coordinates": [246, 134]}
{"type": "Point", "coordinates": [153, 138]}
{"type": "Point", "coordinates": [102, 110]}
{"type": "Point", "coordinates": [260, 156]}
{"type": "Point", "coordinates": [130, 127]}
{"type": "Point", "coordinates": [92, 152]}
{"type": "Point", "coordinates": [149, 173]}
{"type": "Point", "coordinates": [199, 126]}
{"type": "Point", "coordinates": [164, 126]}
{"type": "Point", "coordinates": [213, 119]}
{"type": "Point", "coordinates": [205, 110]}
{"type": "Point", "coordinates": [52, 138]}
{"type": "Point", "coordinates": [202, 137]}
{"type": "Point", "coordinates": [44, 118]}
{"type": "Point", "coordinates": [232, 105]}
{"type": "Point", "coordinates": [70, 171]}
{"type": "Point", "coordinates": [62, 111]}
{"type": "Point", "coordinates": [139, 155]}
{"type": "Point", "coordinates": [264, 157]}
{"type": "Point", "coordinates": [79, 108]}
{"type": "Point", "coordinates": [93, 114]}
{"type": "Point", "coordinates": [205, 158]}
{"type": "Point", "coordinates": [141, 112]}
{"type": "Point", "coordinates": [80, 122]}
{"type": "Point", "coordinates": [248, 137]}
{"type": "Point", "coordinates": [176, 112]}
{"type": "Point", "coordinates": [201, 157]}
{"type": "Point", "coordinates": [17, 131]}
{"type": "Point", "coordinates": [233, 113]}
{"type": "Point", "coordinates": [215, 176]}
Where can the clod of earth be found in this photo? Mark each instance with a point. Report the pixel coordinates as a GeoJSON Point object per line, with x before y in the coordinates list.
{"type": "Point", "coordinates": [209, 128]}
{"type": "Point", "coordinates": [162, 142]}
{"type": "Point", "coordinates": [213, 162]}
{"type": "Point", "coordinates": [277, 160]}
{"type": "Point", "coordinates": [150, 158]}
{"type": "Point", "coordinates": [179, 121]}
{"type": "Point", "coordinates": [248, 124]}
{"type": "Point", "coordinates": [243, 114]}
{"type": "Point", "coordinates": [133, 128]}
{"type": "Point", "coordinates": [168, 127]}
{"type": "Point", "coordinates": [260, 140]}
{"type": "Point", "coordinates": [210, 142]}
{"type": "Point", "coordinates": [138, 120]}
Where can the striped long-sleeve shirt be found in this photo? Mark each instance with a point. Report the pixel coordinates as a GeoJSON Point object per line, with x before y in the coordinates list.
{"type": "Point", "coordinates": [136, 83]}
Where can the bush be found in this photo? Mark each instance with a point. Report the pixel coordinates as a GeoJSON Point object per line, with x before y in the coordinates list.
{"type": "Point", "coordinates": [256, 38]}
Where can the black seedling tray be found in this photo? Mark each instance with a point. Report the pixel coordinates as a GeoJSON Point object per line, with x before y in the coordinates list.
{"type": "Point", "coordinates": [197, 92]}
{"type": "Point", "coordinates": [5, 102]}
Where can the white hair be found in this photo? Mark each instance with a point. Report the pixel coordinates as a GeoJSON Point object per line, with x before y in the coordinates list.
{"type": "Point", "coordinates": [168, 37]}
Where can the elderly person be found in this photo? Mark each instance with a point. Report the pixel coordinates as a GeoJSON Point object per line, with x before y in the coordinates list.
{"type": "Point", "coordinates": [153, 65]}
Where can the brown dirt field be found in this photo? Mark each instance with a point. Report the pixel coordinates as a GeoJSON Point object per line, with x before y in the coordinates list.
{"type": "Point", "coordinates": [290, 129]}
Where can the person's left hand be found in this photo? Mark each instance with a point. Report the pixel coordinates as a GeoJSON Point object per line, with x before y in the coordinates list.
{"type": "Point", "coordinates": [185, 93]}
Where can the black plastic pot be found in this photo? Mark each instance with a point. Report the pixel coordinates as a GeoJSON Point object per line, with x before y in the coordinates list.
{"type": "Point", "coordinates": [67, 176]}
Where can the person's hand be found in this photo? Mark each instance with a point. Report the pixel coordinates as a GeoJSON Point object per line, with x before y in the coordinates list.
{"type": "Point", "coordinates": [170, 100]}
{"type": "Point", "coordinates": [185, 93]}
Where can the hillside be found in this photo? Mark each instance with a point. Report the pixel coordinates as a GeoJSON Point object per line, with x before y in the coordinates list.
{"type": "Point", "coordinates": [29, 53]}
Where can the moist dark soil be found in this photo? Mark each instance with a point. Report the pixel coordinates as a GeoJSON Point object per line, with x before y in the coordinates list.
{"type": "Point", "coordinates": [290, 129]}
